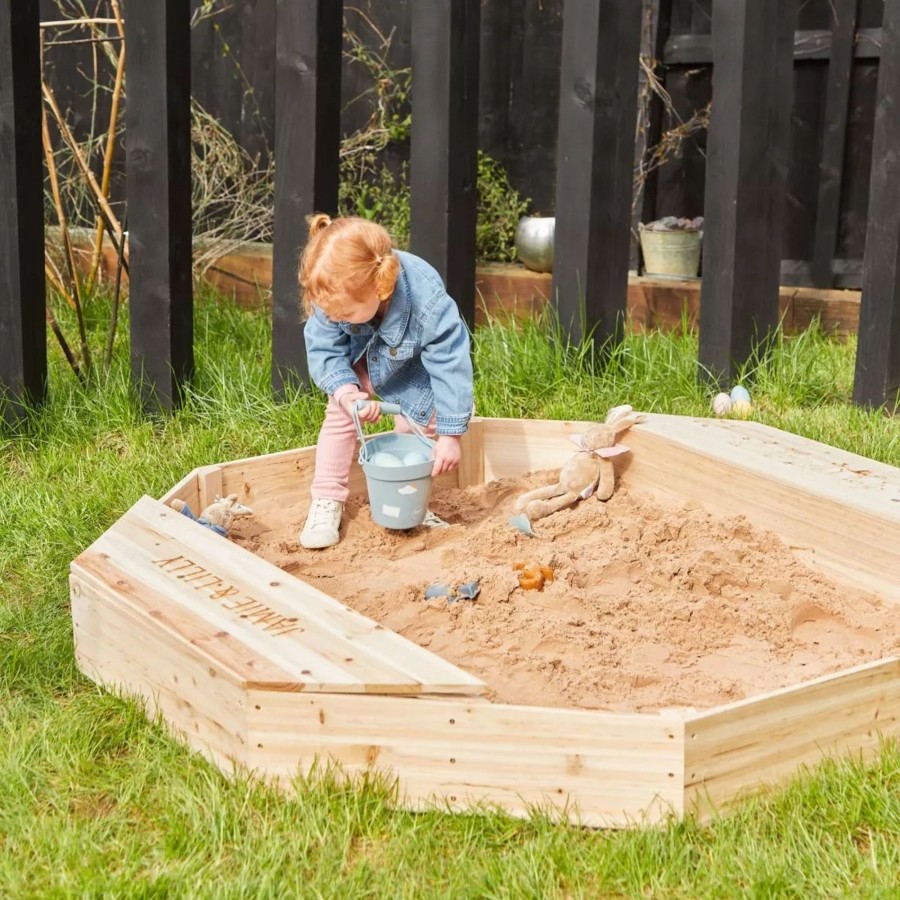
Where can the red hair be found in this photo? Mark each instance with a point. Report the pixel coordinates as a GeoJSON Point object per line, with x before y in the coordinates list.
{"type": "Point", "coordinates": [345, 254]}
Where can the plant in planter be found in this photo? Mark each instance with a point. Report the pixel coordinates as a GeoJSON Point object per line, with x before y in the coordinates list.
{"type": "Point", "coordinates": [383, 194]}
{"type": "Point", "coordinates": [374, 186]}
{"type": "Point", "coordinates": [671, 246]}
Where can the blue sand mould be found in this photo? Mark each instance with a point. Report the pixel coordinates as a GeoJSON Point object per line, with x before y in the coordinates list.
{"type": "Point", "coordinates": [468, 591]}
{"type": "Point", "coordinates": [398, 471]}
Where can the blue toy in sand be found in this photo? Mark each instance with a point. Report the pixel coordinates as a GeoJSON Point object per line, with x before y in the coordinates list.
{"type": "Point", "coordinates": [187, 511]}
{"type": "Point", "coordinates": [218, 516]}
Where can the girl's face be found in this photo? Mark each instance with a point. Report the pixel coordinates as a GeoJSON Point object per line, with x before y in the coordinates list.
{"type": "Point", "coordinates": [362, 305]}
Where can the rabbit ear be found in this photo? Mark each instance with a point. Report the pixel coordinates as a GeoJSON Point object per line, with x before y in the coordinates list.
{"type": "Point", "coordinates": [624, 418]}
{"type": "Point", "coordinates": [577, 440]}
{"type": "Point", "coordinates": [615, 450]}
{"type": "Point", "coordinates": [616, 413]}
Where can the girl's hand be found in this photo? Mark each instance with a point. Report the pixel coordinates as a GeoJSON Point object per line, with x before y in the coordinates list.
{"type": "Point", "coordinates": [371, 412]}
{"type": "Point", "coordinates": [446, 454]}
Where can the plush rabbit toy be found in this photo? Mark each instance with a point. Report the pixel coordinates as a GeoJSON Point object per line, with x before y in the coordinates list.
{"type": "Point", "coordinates": [589, 471]}
{"type": "Point", "coordinates": [218, 516]}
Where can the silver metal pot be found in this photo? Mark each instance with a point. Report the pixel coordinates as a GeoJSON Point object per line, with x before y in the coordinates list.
{"type": "Point", "coordinates": [534, 242]}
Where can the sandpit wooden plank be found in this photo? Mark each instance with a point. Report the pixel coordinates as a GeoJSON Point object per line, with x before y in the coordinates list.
{"type": "Point", "coordinates": [731, 750]}
{"type": "Point", "coordinates": [513, 447]}
{"type": "Point", "coordinates": [471, 463]}
{"type": "Point", "coordinates": [187, 489]}
{"type": "Point", "coordinates": [321, 643]}
{"type": "Point", "coordinates": [289, 474]}
{"type": "Point", "coordinates": [598, 768]}
{"type": "Point", "coordinates": [314, 661]}
{"type": "Point", "coordinates": [209, 484]}
{"type": "Point", "coordinates": [138, 657]}
{"type": "Point", "coordinates": [193, 633]}
{"type": "Point", "coordinates": [817, 468]}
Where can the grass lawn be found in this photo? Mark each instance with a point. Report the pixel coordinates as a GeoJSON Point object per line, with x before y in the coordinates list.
{"type": "Point", "coordinates": [97, 802]}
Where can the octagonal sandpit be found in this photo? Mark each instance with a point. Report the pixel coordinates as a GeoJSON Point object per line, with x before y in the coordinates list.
{"type": "Point", "coordinates": [254, 665]}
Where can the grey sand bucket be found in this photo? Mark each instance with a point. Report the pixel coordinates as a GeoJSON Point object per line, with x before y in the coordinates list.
{"type": "Point", "coordinates": [397, 469]}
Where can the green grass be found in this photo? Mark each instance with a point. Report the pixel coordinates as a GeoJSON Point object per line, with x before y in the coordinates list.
{"type": "Point", "coordinates": [97, 802]}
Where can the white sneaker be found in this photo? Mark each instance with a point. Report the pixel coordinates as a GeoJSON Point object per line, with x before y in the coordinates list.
{"type": "Point", "coordinates": [323, 524]}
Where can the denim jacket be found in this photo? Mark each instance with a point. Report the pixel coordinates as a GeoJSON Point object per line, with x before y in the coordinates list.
{"type": "Point", "coordinates": [417, 357]}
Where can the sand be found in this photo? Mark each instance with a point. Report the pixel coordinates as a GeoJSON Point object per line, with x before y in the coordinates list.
{"type": "Point", "coordinates": [653, 605]}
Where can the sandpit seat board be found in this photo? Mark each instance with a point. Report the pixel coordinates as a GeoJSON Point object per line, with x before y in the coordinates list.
{"type": "Point", "coordinates": [262, 627]}
{"type": "Point", "coordinates": [819, 469]}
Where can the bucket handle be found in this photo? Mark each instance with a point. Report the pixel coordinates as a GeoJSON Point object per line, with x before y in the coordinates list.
{"type": "Point", "coordinates": [387, 409]}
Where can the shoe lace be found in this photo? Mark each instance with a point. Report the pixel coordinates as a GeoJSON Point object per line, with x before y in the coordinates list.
{"type": "Point", "coordinates": [321, 513]}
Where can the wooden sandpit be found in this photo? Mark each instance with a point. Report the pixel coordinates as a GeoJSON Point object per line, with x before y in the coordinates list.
{"type": "Point", "coordinates": [725, 618]}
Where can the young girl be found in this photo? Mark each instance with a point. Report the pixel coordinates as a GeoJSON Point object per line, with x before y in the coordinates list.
{"type": "Point", "coordinates": [379, 323]}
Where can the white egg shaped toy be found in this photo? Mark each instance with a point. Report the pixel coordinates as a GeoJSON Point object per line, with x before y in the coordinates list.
{"type": "Point", "coordinates": [414, 459]}
{"type": "Point", "coordinates": [385, 459]}
{"type": "Point", "coordinates": [721, 404]}
{"type": "Point", "coordinates": [740, 394]}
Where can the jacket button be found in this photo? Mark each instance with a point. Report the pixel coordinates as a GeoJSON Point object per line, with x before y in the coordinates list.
{"type": "Point", "coordinates": [393, 351]}
{"type": "Point", "coordinates": [355, 329]}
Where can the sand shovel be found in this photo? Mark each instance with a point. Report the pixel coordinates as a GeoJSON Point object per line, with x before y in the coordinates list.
{"type": "Point", "coordinates": [523, 524]}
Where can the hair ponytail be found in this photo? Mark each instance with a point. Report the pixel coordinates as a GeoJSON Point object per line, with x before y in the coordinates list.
{"type": "Point", "coordinates": [387, 269]}
{"type": "Point", "coordinates": [317, 223]}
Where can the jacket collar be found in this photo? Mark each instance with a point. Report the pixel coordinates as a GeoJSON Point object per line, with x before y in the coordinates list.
{"type": "Point", "coordinates": [396, 319]}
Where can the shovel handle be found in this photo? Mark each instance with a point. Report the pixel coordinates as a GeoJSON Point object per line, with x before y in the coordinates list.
{"type": "Point", "coordinates": [387, 409]}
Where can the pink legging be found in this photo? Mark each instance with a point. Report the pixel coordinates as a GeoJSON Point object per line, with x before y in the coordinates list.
{"type": "Point", "coordinates": [338, 442]}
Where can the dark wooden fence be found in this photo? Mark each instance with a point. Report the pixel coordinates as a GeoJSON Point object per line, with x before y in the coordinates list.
{"type": "Point", "coordinates": [520, 57]}
{"type": "Point", "coordinates": [837, 47]}
{"type": "Point", "coordinates": [521, 53]}
{"type": "Point", "coordinates": [23, 342]}
{"type": "Point", "coordinates": [753, 46]}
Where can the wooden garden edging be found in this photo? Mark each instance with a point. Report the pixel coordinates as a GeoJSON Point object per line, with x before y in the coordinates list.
{"type": "Point", "coordinates": [508, 289]}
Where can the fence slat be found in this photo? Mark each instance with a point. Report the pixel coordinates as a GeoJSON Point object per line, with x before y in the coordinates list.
{"type": "Point", "coordinates": [308, 39]}
{"type": "Point", "coordinates": [657, 20]}
{"type": "Point", "coordinates": [595, 166]}
{"type": "Point", "coordinates": [746, 170]}
{"type": "Point", "coordinates": [831, 167]}
{"type": "Point", "coordinates": [444, 151]}
{"type": "Point", "coordinates": [158, 167]}
{"type": "Point", "coordinates": [784, 25]}
{"type": "Point", "coordinates": [877, 377]}
{"type": "Point", "coordinates": [495, 81]}
{"type": "Point", "coordinates": [23, 341]}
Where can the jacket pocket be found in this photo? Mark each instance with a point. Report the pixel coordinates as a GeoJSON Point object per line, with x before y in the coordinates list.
{"type": "Point", "coordinates": [404, 351]}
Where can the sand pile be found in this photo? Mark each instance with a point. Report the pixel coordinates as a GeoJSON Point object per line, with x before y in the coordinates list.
{"type": "Point", "coordinates": [652, 605]}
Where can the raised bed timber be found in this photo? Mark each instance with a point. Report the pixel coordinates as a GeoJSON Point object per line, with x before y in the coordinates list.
{"type": "Point", "coordinates": [510, 290]}
{"type": "Point", "coordinates": [253, 666]}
